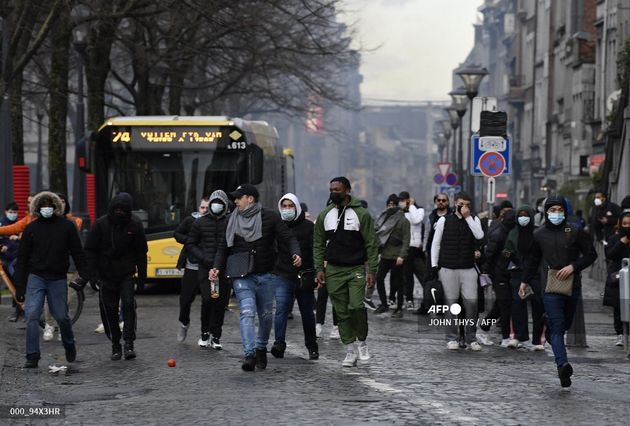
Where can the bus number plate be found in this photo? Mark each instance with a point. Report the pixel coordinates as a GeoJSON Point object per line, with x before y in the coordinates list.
{"type": "Point", "coordinates": [170, 272]}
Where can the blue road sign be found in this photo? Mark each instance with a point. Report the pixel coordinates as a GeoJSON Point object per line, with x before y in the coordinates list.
{"type": "Point", "coordinates": [497, 144]}
{"type": "Point", "coordinates": [450, 190]}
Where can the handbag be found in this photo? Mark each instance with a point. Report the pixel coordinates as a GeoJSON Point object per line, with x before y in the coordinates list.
{"type": "Point", "coordinates": [558, 286]}
{"type": "Point", "coordinates": [240, 264]}
{"type": "Point", "coordinates": [306, 280]}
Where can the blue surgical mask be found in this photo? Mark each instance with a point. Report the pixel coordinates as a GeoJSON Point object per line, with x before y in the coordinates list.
{"type": "Point", "coordinates": [556, 218]}
{"type": "Point", "coordinates": [287, 214]}
{"type": "Point", "coordinates": [523, 220]}
{"type": "Point", "coordinates": [46, 212]}
{"type": "Point", "coordinates": [12, 216]}
{"type": "Point", "coordinates": [217, 208]}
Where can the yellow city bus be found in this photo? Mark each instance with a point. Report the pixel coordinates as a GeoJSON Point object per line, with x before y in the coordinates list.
{"type": "Point", "coordinates": [167, 163]}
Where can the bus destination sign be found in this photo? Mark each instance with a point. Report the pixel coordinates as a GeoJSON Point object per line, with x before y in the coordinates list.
{"type": "Point", "coordinates": [177, 137]}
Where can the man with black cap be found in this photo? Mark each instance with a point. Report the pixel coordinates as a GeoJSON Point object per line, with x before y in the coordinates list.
{"type": "Point", "coordinates": [251, 237]}
{"type": "Point", "coordinates": [116, 250]}
{"type": "Point", "coordinates": [565, 252]}
{"type": "Point", "coordinates": [392, 231]}
{"type": "Point", "coordinates": [415, 263]}
{"type": "Point", "coordinates": [345, 239]}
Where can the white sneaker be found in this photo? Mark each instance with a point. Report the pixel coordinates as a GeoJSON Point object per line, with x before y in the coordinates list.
{"type": "Point", "coordinates": [49, 332]}
{"type": "Point", "coordinates": [100, 328]}
{"type": "Point", "coordinates": [334, 333]}
{"type": "Point", "coordinates": [484, 339]}
{"type": "Point", "coordinates": [350, 360]}
{"type": "Point", "coordinates": [182, 332]}
{"type": "Point", "coordinates": [619, 341]}
{"type": "Point", "coordinates": [474, 346]}
{"type": "Point", "coordinates": [410, 306]}
{"type": "Point", "coordinates": [525, 344]}
{"type": "Point", "coordinates": [538, 348]}
{"type": "Point", "coordinates": [364, 353]}
{"type": "Point", "coordinates": [512, 343]}
{"type": "Point", "coordinates": [203, 343]}
{"type": "Point", "coordinates": [505, 343]}
{"type": "Point", "coordinates": [391, 303]}
{"type": "Point", "coordinates": [318, 329]}
{"type": "Point", "coordinates": [452, 345]}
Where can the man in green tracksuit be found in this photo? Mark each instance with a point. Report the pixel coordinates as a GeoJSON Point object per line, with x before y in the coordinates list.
{"type": "Point", "coordinates": [344, 238]}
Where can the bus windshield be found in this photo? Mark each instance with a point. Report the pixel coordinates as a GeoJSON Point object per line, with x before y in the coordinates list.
{"type": "Point", "coordinates": [166, 186]}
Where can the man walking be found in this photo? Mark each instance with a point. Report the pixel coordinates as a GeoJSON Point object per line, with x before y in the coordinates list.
{"type": "Point", "coordinates": [453, 254]}
{"type": "Point", "coordinates": [344, 237]}
{"type": "Point", "coordinates": [252, 234]}
{"type": "Point", "coordinates": [415, 263]}
{"type": "Point", "coordinates": [116, 249]}
{"type": "Point", "coordinates": [41, 272]}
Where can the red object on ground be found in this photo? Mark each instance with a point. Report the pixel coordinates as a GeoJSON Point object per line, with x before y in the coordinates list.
{"type": "Point", "coordinates": [171, 362]}
{"type": "Point", "coordinates": [21, 188]}
{"type": "Point", "coordinates": [91, 196]}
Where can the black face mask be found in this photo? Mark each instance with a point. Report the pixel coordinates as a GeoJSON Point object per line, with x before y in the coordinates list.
{"type": "Point", "coordinates": [624, 231]}
{"type": "Point", "coordinates": [337, 197]}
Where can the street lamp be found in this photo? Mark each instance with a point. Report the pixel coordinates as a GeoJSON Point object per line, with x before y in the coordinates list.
{"type": "Point", "coordinates": [459, 105]}
{"type": "Point", "coordinates": [471, 76]}
{"type": "Point", "coordinates": [440, 141]}
{"type": "Point", "coordinates": [445, 126]}
{"type": "Point", "coordinates": [454, 120]}
{"type": "Point", "coordinates": [79, 187]}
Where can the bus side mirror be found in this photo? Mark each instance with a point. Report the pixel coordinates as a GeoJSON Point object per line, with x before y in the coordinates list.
{"type": "Point", "coordinates": [255, 158]}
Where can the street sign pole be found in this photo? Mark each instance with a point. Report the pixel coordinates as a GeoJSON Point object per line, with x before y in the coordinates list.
{"type": "Point", "coordinates": [492, 192]}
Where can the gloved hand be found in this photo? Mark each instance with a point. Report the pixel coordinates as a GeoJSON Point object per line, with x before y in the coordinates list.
{"type": "Point", "coordinates": [95, 284]}
{"type": "Point", "coordinates": [432, 274]}
{"type": "Point", "coordinates": [78, 284]}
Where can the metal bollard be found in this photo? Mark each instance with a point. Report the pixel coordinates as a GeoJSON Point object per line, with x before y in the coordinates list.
{"type": "Point", "coordinates": [624, 301]}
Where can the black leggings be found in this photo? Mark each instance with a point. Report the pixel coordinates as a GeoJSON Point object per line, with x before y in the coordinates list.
{"type": "Point", "coordinates": [395, 281]}
{"type": "Point", "coordinates": [212, 310]}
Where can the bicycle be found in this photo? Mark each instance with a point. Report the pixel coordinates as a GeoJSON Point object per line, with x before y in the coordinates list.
{"type": "Point", "coordinates": [76, 296]}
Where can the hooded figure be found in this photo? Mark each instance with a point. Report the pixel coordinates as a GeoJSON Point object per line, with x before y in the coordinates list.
{"type": "Point", "coordinates": [206, 244]}
{"type": "Point", "coordinates": [562, 247]}
{"type": "Point", "coordinates": [116, 248]}
{"type": "Point", "coordinates": [43, 262]}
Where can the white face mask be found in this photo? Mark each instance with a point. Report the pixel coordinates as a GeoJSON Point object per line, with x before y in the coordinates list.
{"type": "Point", "coordinates": [402, 205]}
{"type": "Point", "coordinates": [523, 221]}
{"type": "Point", "coordinates": [288, 214]}
{"type": "Point", "coordinates": [12, 216]}
{"type": "Point", "coordinates": [217, 208]}
{"type": "Point", "coordinates": [47, 212]}
{"type": "Point", "coordinates": [597, 201]}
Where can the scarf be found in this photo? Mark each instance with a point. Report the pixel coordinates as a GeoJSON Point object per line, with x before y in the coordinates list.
{"type": "Point", "coordinates": [386, 222]}
{"type": "Point", "coordinates": [246, 224]}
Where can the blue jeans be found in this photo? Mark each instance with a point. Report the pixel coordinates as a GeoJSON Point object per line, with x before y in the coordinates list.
{"type": "Point", "coordinates": [560, 310]}
{"type": "Point", "coordinates": [56, 291]}
{"type": "Point", "coordinates": [255, 294]}
{"type": "Point", "coordinates": [284, 293]}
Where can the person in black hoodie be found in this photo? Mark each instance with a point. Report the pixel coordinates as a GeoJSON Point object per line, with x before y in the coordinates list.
{"type": "Point", "coordinates": [116, 249]}
{"type": "Point", "coordinates": [251, 236]}
{"type": "Point", "coordinates": [205, 243]}
{"type": "Point", "coordinates": [618, 248]}
{"type": "Point", "coordinates": [41, 271]}
{"type": "Point", "coordinates": [292, 282]}
{"type": "Point", "coordinates": [567, 250]}
{"type": "Point", "coordinates": [187, 262]}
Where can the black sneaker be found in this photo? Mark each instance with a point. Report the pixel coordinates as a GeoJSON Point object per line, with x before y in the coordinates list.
{"type": "Point", "coordinates": [261, 358]}
{"type": "Point", "coordinates": [381, 309]}
{"type": "Point", "coordinates": [369, 304]}
{"type": "Point", "coordinates": [129, 352]}
{"type": "Point", "coordinates": [278, 348]}
{"type": "Point", "coordinates": [71, 353]}
{"type": "Point", "coordinates": [398, 313]}
{"type": "Point", "coordinates": [565, 371]}
{"type": "Point", "coordinates": [249, 363]}
{"type": "Point", "coordinates": [215, 344]}
{"type": "Point", "coordinates": [14, 316]}
{"type": "Point", "coordinates": [31, 361]}
{"type": "Point", "coordinates": [313, 354]}
{"type": "Point", "coordinates": [116, 352]}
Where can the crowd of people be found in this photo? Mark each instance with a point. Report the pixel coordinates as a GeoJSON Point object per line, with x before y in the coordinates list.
{"type": "Point", "coordinates": [271, 257]}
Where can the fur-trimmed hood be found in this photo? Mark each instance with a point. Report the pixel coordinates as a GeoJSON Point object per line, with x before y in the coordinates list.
{"type": "Point", "coordinates": [38, 201]}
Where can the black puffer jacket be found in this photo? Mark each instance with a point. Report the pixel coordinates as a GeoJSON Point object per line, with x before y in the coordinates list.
{"type": "Point", "coordinates": [116, 246]}
{"type": "Point", "coordinates": [274, 232]}
{"type": "Point", "coordinates": [205, 243]}
{"type": "Point", "coordinates": [302, 230]}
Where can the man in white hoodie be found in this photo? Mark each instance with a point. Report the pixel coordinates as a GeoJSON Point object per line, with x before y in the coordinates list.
{"type": "Point", "coordinates": [415, 263]}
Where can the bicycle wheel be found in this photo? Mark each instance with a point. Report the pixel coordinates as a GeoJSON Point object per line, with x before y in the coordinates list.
{"type": "Point", "coordinates": [76, 298]}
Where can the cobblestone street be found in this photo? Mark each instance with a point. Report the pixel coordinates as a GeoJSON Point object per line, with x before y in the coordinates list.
{"type": "Point", "coordinates": [411, 378]}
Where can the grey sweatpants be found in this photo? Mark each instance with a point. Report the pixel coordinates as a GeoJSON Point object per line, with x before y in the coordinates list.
{"type": "Point", "coordinates": [462, 282]}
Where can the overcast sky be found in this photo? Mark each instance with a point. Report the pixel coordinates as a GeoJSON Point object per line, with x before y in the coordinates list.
{"type": "Point", "coordinates": [421, 41]}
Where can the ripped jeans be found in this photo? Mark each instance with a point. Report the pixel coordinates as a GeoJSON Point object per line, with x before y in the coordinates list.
{"type": "Point", "coordinates": [255, 294]}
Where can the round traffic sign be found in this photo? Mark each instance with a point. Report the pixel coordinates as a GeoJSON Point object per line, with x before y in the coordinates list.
{"type": "Point", "coordinates": [439, 179]}
{"type": "Point", "coordinates": [451, 179]}
{"type": "Point", "coordinates": [491, 164]}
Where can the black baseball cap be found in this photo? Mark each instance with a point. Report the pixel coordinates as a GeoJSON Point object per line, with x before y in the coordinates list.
{"type": "Point", "coordinates": [245, 189]}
